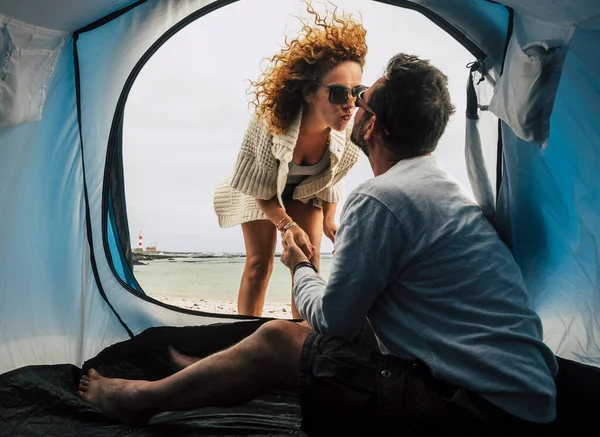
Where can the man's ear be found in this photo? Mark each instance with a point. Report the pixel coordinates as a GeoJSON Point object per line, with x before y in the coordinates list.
{"type": "Point", "coordinates": [370, 128]}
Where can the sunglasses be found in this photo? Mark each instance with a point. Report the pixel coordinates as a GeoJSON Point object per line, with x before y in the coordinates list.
{"type": "Point", "coordinates": [338, 94]}
{"type": "Point", "coordinates": [362, 103]}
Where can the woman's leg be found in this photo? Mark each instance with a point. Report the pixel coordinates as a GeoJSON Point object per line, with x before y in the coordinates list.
{"type": "Point", "coordinates": [260, 237]}
{"type": "Point", "coordinates": [310, 219]}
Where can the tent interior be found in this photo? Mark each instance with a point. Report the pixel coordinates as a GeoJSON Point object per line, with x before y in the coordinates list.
{"type": "Point", "coordinates": [68, 297]}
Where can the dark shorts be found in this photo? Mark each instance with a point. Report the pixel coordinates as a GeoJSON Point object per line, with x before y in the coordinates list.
{"type": "Point", "coordinates": [349, 389]}
{"type": "Point", "coordinates": [288, 192]}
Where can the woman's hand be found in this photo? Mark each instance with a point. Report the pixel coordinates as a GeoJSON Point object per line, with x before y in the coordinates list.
{"type": "Point", "coordinates": [280, 219]}
{"type": "Point", "coordinates": [292, 254]}
{"type": "Point", "coordinates": [302, 240]}
{"type": "Point", "coordinates": [329, 228]}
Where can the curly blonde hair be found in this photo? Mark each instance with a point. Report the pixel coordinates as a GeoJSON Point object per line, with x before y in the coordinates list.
{"type": "Point", "coordinates": [278, 93]}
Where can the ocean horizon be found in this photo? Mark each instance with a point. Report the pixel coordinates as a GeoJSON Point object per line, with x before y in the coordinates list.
{"type": "Point", "coordinates": [179, 254]}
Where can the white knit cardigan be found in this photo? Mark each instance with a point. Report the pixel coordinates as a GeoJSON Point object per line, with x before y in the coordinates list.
{"type": "Point", "coordinates": [261, 172]}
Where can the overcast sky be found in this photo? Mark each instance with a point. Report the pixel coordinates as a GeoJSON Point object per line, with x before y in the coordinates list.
{"type": "Point", "coordinates": [188, 110]}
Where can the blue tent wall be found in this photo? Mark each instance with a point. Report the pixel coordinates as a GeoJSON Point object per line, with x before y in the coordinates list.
{"type": "Point", "coordinates": [44, 255]}
{"type": "Point", "coordinates": [119, 260]}
{"type": "Point", "coordinates": [52, 305]}
{"type": "Point", "coordinates": [467, 16]}
{"type": "Point", "coordinates": [552, 203]}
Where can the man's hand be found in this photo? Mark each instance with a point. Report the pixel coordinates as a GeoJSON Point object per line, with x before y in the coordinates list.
{"type": "Point", "coordinates": [329, 229]}
{"type": "Point", "coordinates": [292, 254]}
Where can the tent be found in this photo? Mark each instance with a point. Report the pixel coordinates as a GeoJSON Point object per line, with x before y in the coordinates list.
{"type": "Point", "coordinates": [67, 291]}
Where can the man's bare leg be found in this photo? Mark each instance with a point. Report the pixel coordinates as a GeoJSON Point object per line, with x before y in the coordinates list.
{"type": "Point", "coordinates": [180, 360]}
{"type": "Point", "coordinates": [266, 360]}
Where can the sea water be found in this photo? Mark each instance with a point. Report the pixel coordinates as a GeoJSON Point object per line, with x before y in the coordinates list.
{"type": "Point", "coordinates": [211, 278]}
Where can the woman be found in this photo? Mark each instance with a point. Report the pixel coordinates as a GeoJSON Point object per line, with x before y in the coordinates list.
{"type": "Point", "coordinates": [296, 150]}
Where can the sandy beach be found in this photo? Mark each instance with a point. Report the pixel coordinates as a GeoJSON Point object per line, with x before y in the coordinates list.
{"type": "Point", "coordinates": [210, 283]}
{"type": "Point", "coordinates": [278, 310]}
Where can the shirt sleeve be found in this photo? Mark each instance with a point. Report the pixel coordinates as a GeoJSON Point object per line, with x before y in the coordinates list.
{"type": "Point", "coordinates": [367, 257]}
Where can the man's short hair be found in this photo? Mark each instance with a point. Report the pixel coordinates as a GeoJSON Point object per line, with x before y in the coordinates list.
{"type": "Point", "coordinates": [413, 104]}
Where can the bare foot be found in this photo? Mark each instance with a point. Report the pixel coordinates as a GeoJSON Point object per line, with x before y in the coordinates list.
{"type": "Point", "coordinates": [180, 361]}
{"type": "Point", "coordinates": [120, 399]}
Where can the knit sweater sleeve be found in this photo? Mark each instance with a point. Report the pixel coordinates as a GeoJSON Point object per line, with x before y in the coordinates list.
{"type": "Point", "coordinates": [255, 172]}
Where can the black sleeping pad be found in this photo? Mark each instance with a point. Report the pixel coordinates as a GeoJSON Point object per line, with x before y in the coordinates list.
{"type": "Point", "coordinates": [42, 401]}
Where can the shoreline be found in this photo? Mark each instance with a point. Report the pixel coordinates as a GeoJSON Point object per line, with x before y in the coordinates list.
{"type": "Point", "coordinates": [137, 255]}
{"type": "Point", "coordinates": [278, 310]}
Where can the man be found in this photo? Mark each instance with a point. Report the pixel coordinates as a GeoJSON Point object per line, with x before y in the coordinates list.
{"type": "Point", "coordinates": [462, 349]}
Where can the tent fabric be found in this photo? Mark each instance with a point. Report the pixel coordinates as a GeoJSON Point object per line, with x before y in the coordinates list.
{"type": "Point", "coordinates": [29, 56]}
{"type": "Point", "coordinates": [62, 298]}
{"type": "Point", "coordinates": [62, 15]}
{"type": "Point", "coordinates": [481, 139]}
{"type": "Point", "coordinates": [526, 105]}
{"type": "Point", "coordinates": [467, 16]}
{"type": "Point", "coordinates": [539, 42]}
{"type": "Point", "coordinates": [549, 206]}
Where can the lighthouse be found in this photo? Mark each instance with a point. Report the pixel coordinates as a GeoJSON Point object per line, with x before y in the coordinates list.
{"type": "Point", "coordinates": [140, 247]}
